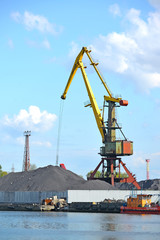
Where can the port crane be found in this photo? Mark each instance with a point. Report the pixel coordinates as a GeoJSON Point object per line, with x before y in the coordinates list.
{"type": "Point", "coordinates": [112, 149]}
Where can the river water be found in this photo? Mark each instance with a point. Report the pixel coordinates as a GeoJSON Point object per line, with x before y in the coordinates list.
{"type": "Point", "coordinates": [84, 226]}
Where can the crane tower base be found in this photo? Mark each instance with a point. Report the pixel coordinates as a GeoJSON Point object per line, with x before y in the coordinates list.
{"type": "Point", "coordinates": [108, 172]}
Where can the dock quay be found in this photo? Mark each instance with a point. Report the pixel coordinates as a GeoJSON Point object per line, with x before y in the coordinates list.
{"type": "Point", "coordinates": [101, 207]}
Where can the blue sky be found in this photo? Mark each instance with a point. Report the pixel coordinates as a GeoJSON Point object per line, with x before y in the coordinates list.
{"type": "Point", "coordinates": [39, 43]}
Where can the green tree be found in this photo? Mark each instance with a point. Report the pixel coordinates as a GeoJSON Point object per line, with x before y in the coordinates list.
{"type": "Point", "coordinates": [123, 175]}
{"type": "Point", "coordinates": [33, 167]}
{"type": "Point", "coordinates": [2, 173]}
{"type": "Point", "coordinates": [97, 175]}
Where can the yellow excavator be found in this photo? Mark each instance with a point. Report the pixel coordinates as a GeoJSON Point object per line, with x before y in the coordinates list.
{"type": "Point", "coordinates": [111, 148]}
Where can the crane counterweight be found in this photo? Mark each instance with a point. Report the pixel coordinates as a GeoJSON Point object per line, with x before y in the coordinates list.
{"type": "Point", "coordinates": [123, 102]}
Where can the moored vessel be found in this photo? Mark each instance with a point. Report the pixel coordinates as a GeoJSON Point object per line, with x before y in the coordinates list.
{"type": "Point", "coordinates": [141, 204]}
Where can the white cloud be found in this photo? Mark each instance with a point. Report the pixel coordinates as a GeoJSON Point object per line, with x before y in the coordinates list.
{"type": "Point", "coordinates": [156, 154]}
{"type": "Point", "coordinates": [38, 22]}
{"type": "Point", "coordinates": [155, 3]}
{"type": "Point", "coordinates": [134, 53]}
{"type": "Point", "coordinates": [74, 50]}
{"type": "Point", "coordinates": [138, 26]}
{"type": "Point", "coordinates": [33, 120]}
{"type": "Point", "coordinates": [20, 140]}
{"type": "Point", "coordinates": [115, 10]}
{"type": "Point", "coordinates": [35, 22]}
{"type": "Point", "coordinates": [138, 161]}
{"type": "Point", "coordinates": [46, 44]}
{"type": "Point", "coordinates": [16, 16]}
{"type": "Point", "coordinates": [40, 143]}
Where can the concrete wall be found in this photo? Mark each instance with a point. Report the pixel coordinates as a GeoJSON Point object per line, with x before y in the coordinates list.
{"type": "Point", "coordinates": [70, 195]}
{"type": "Point", "coordinates": [28, 197]}
{"type": "Point", "coordinates": [100, 195]}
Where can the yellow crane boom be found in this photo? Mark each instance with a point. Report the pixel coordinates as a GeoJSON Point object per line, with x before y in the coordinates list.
{"type": "Point", "coordinates": [79, 64]}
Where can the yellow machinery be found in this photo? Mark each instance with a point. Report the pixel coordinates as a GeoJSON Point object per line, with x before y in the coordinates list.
{"type": "Point", "coordinates": [141, 200]}
{"type": "Point", "coordinates": [111, 147]}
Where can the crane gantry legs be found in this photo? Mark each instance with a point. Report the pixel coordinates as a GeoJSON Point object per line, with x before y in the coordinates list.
{"type": "Point", "coordinates": [110, 173]}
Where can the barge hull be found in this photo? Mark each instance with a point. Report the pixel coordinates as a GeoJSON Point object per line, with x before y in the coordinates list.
{"type": "Point", "coordinates": [140, 210]}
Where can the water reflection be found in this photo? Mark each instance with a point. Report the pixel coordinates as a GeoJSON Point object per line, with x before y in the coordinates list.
{"type": "Point", "coordinates": [68, 226]}
{"type": "Point", "coordinates": [110, 238]}
{"type": "Point", "coordinates": [108, 227]}
{"type": "Point", "coordinates": [43, 225]}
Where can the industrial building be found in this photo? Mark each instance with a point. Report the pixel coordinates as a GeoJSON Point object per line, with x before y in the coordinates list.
{"type": "Point", "coordinates": [70, 196]}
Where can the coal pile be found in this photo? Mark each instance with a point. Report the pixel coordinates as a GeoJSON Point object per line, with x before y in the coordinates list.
{"type": "Point", "coordinates": [50, 178]}
{"type": "Point", "coordinates": [151, 184]}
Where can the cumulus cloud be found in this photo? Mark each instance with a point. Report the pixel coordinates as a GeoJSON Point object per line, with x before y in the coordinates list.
{"type": "Point", "coordinates": [35, 22]}
{"type": "Point", "coordinates": [115, 10]}
{"type": "Point", "coordinates": [33, 120]}
{"type": "Point", "coordinates": [133, 54]}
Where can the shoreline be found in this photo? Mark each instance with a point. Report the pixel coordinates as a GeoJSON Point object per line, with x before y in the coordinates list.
{"type": "Point", "coordinates": [101, 207]}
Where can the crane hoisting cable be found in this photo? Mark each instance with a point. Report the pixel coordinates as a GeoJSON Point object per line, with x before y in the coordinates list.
{"type": "Point", "coordinates": [59, 130]}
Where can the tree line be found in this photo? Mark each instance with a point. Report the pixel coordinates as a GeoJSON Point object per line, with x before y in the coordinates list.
{"type": "Point", "coordinates": [98, 174]}
{"type": "Point", "coordinates": [2, 173]}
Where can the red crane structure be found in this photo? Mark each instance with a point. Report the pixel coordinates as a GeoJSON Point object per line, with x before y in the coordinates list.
{"type": "Point", "coordinates": [26, 158]}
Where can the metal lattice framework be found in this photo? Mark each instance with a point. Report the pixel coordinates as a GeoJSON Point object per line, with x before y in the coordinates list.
{"type": "Point", "coordinates": [26, 158]}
